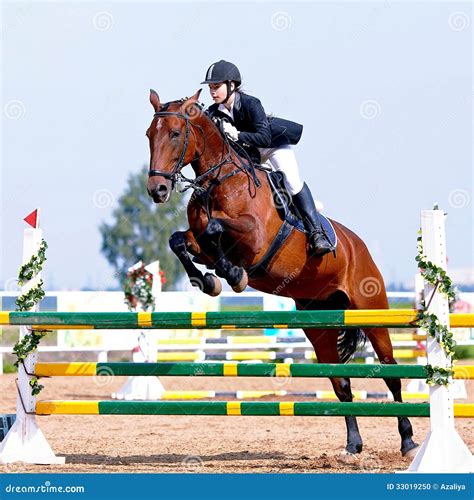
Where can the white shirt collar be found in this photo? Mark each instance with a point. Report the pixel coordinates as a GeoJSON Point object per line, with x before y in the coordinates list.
{"type": "Point", "coordinates": [227, 111]}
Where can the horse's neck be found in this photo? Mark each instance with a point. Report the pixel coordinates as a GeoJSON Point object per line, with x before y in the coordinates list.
{"type": "Point", "coordinates": [215, 152]}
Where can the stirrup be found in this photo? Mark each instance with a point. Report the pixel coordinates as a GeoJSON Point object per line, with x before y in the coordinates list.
{"type": "Point", "coordinates": [319, 243]}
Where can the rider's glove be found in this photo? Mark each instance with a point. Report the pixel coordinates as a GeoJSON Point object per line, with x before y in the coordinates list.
{"type": "Point", "coordinates": [230, 131]}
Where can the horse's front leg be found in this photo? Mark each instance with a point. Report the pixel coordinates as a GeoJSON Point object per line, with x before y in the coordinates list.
{"type": "Point", "coordinates": [236, 276]}
{"type": "Point", "coordinates": [183, 242]}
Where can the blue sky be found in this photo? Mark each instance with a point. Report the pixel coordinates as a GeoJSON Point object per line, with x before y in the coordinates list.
{"type": "Point", "coordinates": [384, 90]}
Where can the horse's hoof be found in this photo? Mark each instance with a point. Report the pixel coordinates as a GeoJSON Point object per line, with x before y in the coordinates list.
{"type": "Point", "coordinates": [214, 227]}
{"type": "Point", "coordinates": [411, 453]}
{"type": "Point", "coordinates": [347, 457]}
{"type": "Point", "coordinates": [214, 288]}
{"type": "Point", "coordinates": [242, 284]}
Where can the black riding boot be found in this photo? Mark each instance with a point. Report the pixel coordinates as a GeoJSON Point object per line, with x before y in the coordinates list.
{"type": "Point", "coordinates": [304, 202]}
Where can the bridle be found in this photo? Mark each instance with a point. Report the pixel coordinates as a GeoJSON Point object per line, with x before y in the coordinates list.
{"type": "Point", "coordinates": [176, 176]}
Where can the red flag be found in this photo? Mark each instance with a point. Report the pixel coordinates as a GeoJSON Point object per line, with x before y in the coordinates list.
{"type": "Point", "coordinates": [32, 219]}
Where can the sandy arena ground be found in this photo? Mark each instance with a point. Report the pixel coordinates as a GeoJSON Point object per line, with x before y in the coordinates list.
{"type": "Point", "coordinates": [211, 444]}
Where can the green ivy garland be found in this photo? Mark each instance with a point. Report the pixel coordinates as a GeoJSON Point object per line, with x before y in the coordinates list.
{"type": "Point", "coordinates": [34, 265]}
{"type": "Point", "coordinates": [24, 348]}
{"type": "Point", "coordinates": [29, 343]}
{"type": "Point", "coordinates": [438, 376]}
{"type": "Point", "coordinates": [26, 301]}
{"type": "Point", "coordinates": [437, 277]}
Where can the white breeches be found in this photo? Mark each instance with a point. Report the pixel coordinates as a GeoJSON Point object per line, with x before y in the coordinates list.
{"type": "Point", "coordinates": [284, 160]}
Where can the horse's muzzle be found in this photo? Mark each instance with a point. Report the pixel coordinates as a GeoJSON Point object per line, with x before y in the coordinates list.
{"type": "Point", "coordinates": [160, 194]}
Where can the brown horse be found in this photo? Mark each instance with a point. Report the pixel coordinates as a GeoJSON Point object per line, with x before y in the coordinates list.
{"type": "Point", "coordinates": [232, 224]}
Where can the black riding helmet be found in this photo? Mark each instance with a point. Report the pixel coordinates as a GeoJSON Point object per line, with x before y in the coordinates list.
{"type": "Point", "coordinates": [223, 71]}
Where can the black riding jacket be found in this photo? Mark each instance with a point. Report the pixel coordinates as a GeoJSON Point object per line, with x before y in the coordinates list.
{"type": "Point", "coordinates": [256, 129]}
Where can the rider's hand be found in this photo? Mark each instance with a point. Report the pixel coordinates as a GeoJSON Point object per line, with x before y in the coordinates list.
{"type": "Point", "coordinates": [230, 131]}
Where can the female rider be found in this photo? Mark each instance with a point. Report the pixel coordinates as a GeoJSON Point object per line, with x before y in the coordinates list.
{"type": "Point", "coordinates": [270, 137]}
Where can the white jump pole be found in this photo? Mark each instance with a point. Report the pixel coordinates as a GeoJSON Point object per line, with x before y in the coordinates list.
{"type": "Point", "coordinates": [25, 442]}
{"type": "Point", "coordinates": [443, 450]}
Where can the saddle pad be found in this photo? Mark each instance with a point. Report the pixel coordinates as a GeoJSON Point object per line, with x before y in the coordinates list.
{"type": "Point", "coordinates": [284, 207]}
{"type": "Point", "coordinates": [328, 229]}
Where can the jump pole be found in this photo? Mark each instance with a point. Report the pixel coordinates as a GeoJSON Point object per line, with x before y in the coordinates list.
{"type": "Point", "coordinates": [443, 450]}
{"type": "Point", "coordinates": [25, 442]}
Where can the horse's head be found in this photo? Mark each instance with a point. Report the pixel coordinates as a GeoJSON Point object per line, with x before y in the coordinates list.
{"type": "Point", "coordinates": [173, 143]}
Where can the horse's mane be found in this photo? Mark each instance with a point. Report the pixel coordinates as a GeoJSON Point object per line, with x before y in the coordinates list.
{"type": "Point", "coordinates": [202, 113]}
{"type": "Point", "coordinates": [166, 105]}
{"type": "Point", "coordinates": [199, 105]}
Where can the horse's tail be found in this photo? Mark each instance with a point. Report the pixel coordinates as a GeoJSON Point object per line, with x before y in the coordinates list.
{"type": "Point", "coordinates": [348, 342]}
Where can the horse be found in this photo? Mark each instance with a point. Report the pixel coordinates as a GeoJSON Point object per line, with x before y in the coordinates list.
{"type": "Point", "coordinates": [233, 224]}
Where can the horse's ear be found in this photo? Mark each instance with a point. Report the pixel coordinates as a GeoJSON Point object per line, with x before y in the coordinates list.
{"type": "Point", "coordinates": [185, 107]}
{"type": "Point", "coordinates": [195, 97]}
{"type": "Point", "coordinates": [155, 100]}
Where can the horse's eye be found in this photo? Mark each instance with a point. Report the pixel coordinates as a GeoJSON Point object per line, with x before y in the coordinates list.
{"type": "Point", "coordinates": [174, 134]}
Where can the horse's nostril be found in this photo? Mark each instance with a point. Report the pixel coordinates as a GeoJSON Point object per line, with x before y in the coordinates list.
{"type": "Point", "coordinates": [162, 189]}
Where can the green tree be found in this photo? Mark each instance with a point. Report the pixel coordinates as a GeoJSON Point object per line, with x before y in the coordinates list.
{"type": "Point", "coordinates": [140, 230]}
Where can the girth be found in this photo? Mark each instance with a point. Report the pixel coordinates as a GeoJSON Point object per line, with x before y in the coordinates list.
{"type": "Point", "coordinates": [258, 268]}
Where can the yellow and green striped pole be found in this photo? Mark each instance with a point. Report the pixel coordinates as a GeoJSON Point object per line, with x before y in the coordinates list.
{"type": "Point", "coordinates": [399, 318]}
{"type": "Point", "coordinates": [241, 370]}
{"type": "Point", "coordinates": [239, 408]}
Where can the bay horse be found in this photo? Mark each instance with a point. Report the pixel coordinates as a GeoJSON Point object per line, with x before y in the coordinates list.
{"type": "Point", "coordinates": [233, 221]}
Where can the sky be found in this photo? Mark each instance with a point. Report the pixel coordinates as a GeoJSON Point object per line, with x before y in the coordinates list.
{"type": "Point", "coordinates": [384, 90]}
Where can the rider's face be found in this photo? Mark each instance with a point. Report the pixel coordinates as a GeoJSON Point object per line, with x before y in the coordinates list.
{"type": "Point", "coordinates": [218, 92]}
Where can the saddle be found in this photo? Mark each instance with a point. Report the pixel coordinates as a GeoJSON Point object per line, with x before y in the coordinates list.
{"type": "Point", "coordinates": [291, 219]}
{"type": "Point", "coordinates": [282, 199]}
{"type": "Point", "coordinates": [287, 210]}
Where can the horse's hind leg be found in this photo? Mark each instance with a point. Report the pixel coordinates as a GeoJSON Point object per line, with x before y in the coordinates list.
{"type": "Point", "coordinates": [380, 340]}
{"type": "Point", "coordinates": [325, 346]}
{"type": "Point", "coordinates": [183, 242]}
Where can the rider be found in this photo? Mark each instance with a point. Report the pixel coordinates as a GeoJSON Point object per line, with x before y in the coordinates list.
{"type": "Point", "coordinates": [272, 136]}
